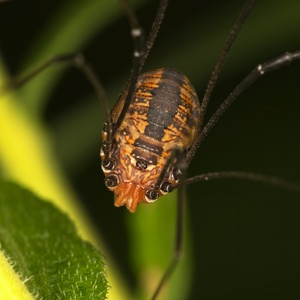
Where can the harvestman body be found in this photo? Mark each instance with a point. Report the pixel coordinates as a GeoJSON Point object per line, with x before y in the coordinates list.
{"type": "Point", "coordinates": [164, 115]}
{"type": "Point", "coordinates": [157, 124]}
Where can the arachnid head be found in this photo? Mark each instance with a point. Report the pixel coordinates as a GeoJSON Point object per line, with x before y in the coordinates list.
{"type": "Point", "coordinates": [133, 180]}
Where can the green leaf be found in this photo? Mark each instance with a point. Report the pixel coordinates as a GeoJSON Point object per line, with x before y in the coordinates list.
{"type": "Point", "coordinates": [45, 250]}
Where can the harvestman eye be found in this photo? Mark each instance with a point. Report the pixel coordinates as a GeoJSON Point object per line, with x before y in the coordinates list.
{"type": "Point", "coordinates": [141, 165]}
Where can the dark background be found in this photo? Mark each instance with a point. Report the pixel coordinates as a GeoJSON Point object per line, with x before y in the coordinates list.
{"type": "Point", "coordinates": [244, 236]}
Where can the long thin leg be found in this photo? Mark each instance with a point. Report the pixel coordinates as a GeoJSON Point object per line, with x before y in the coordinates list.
{"type": "Point", "coordinates": [78, 61]}
{"type": "Point", "coordinates": [180, 164]}
{"type": "Point", "coordinates": [141, 48]}
{"type": "Point", "coordinates": [138, 37]}
{"type": "Point", "coordinates": [218, 67]}
{"type": "Point", "coordinates": [269, 66]}
{"type": "Point", "coordinates": [265, 179]}
{"type": "Point", "coordinates": [221, 60]}
{"type": "Point", "coordinates": [178, 242]}
{"type": "Point", "coordinates": [141, 52]}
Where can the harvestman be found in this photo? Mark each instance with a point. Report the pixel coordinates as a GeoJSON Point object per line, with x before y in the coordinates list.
{"type": "Point", "coordinates": [178, 159]}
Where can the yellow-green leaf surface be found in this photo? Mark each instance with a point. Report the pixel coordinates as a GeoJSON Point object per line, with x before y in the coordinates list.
{"type": "Point", "coordinates": [11, 285]}
{"type": "Point", "coordinates": [44, 249]}
{"type": "Point", "coordinates": [26, 157]}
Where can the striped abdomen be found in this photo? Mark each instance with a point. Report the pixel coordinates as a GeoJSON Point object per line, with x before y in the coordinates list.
{"type": "Point", "coordinates": [164, 113]}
